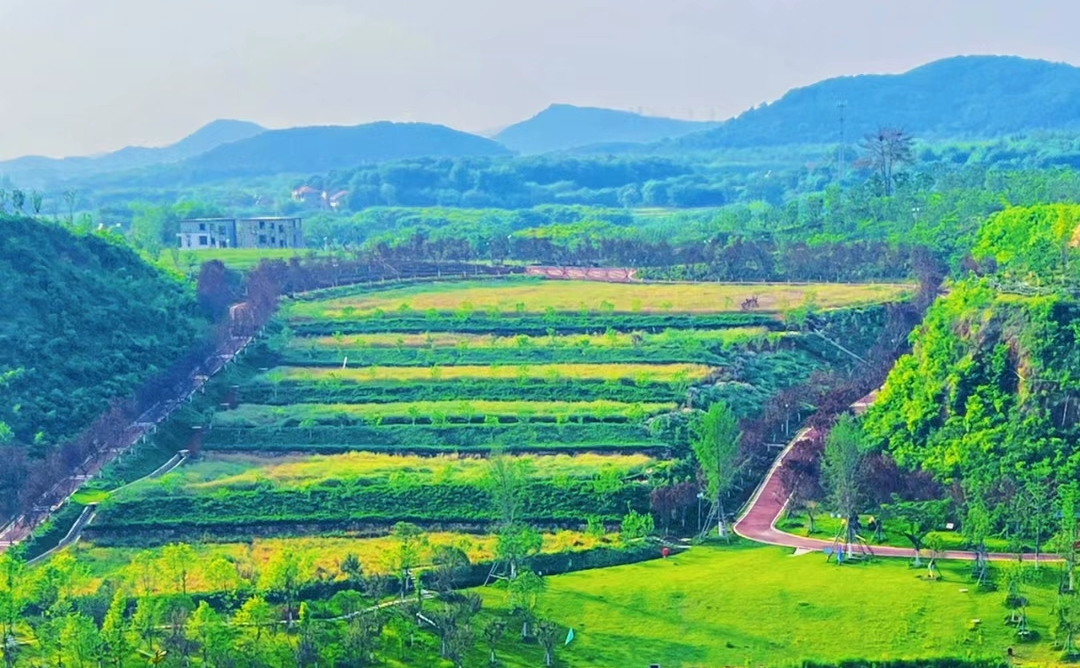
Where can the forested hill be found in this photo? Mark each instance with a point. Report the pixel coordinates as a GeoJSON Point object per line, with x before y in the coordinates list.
{"type": "Point", "coordinates": [962, 97]}
{"type": "Point", "coordinates": [321, 149]}
{"type": "Point", "coordinates": [563, 126]}
{"type": "Point", "coordinates": [85, 320]}
{"type": "Point", "coordinates": [37, 171]}
{"type": "Point", "coordinates": [990, 395]}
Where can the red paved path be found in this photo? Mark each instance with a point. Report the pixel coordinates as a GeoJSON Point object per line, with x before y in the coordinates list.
{"type": "Point", "coordinates": [758, 520]}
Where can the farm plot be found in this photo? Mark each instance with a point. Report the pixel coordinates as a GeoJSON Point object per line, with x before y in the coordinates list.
{"type": "Point", "coordinates": [525, 297]}
{"type": "Point", "coordinates": [713, 347]}
{"type": "Point", "coordinates": [627, 383]}
{"type": "Point", "coordinates": [238, 496]}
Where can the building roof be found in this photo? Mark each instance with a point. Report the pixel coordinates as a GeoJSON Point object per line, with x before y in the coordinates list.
{"type": "Point", "coordinates": [229, 220]}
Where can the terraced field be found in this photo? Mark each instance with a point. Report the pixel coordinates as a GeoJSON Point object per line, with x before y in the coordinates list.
{"type": "Point", "coordinates": [227, 496]}
{"type": "Point", "coordinates": [537, 296]}
{"type": "Point", "coordinates": [364, 408]}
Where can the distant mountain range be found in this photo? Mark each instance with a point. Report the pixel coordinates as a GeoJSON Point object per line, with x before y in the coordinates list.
{"type": "Point", "coordinates": [967, 97]}
{"type": "Point", "coordinates": [321, 149]}
{"type": "Point", "coordinates": [956, 98]}
{"type": "Point", "coordinates": [36, 170]}
{"type": "Point", "coordinates": [563, 126]}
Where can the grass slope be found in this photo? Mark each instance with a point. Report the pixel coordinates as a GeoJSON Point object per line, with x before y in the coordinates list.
{"type": "Point", "coordinates": [760, 606]}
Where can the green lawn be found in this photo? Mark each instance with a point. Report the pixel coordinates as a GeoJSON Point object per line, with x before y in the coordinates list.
{"type": "Point", "coordinates": [826, 528]}
{"type": "Point", "coordinates": [235, 258]}
{"type": "Point", "coordinates": [756, 606]}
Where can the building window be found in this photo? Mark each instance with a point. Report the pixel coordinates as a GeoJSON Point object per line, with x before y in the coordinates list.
{"type": "Point", "coordinates": [202, 227]}
{"type": "Point", "coordinates": [262, 224]}
{"type": "Point", "coordinates": [262, 239]}
{"type": "Point", "coordinates": [202, 240]}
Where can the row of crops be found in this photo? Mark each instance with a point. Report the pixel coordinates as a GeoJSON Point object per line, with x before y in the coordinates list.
{"type": "Point", "coordinates": [370, 408]}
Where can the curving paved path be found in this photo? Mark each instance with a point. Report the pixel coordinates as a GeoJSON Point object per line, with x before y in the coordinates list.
{"type": "Point", "coordinates": [758, 520]}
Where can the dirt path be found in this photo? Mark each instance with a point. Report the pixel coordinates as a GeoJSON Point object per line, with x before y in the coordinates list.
{"type": "Point", "coordinates": [758, 520]}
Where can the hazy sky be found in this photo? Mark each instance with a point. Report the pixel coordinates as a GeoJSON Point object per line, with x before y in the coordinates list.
{"type": "Point", "coordinates": [84, 76]}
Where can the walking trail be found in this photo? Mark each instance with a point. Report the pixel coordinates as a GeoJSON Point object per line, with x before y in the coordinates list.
{"type": "Point", "coordinates": [767, 505]}
{"type": "Point", "coordinates": [21, 527]}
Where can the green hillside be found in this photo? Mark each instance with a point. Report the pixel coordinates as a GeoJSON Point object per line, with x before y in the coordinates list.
{"type": "Point", "coordinates": [967, 96]}
{"type": "Point", "coordinates": [85, 320]}
{"type": "Point", "coordinates": [988, 398]}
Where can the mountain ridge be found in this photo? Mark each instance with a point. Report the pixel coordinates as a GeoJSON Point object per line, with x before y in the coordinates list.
{"type": "Point", "coordinates": [565, 127]}
{"type": "Point", "coordinates": [956, 98]}
{"type": "Point", "coordinates": [35, 170]}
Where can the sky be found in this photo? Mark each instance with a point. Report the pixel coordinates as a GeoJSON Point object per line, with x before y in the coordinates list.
{"type": "Point", "coordinates": [86, 76]}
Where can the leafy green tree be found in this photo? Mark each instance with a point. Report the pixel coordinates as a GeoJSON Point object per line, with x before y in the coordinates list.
{"type": "Point", "coordinates": [547, 632]}
{"type": "Point", "coordinates": [13, 590]}
{"type": "Point", "coordinates": [916, 519]}
{"type": "Point", "coordinates": [716, 447]}
{"type": "Point", "coordinates": [80, 641]}
{"type": "Point", "coordinates": [177, 560]}
{"type": "Point", "coordinates": [842, 468]}
{"type": "Point", "coordinates": [493, 632]}
{"type": "Point", "coordinates": [450, 563]}
{"type": "Point", "coordinates": [282, 575]}
{"type": "Point", "coordinates": [146, 622]}
{"type": "Point", "coordinates": [114, 632]}
{"type": "Point", "coordinates": [410, 541]}
{"type": "Point", "coordinates": [514, 544]}
{"type": "Point", "coordinates": [210, 632]}
{"type": "Point", "coordinates": [525, 591]}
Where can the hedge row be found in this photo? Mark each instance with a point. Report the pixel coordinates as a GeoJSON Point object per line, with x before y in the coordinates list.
{"type": "Point", "coordinates": [454, 435]}
{"type": "Point", "coordinates": [324, 356]}
{"type": "Point", "coordinates": [532, 389]}
{"type": "Point", "coordinates": [380, 502]}
{"type": "Point", "coordinates": [530, 324]}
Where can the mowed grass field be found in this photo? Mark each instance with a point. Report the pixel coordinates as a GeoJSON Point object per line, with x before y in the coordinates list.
{"type": "Point", "coordinates": [263, 415]}
{"type": "Point", "coordinates": [657, 373]}
{"type": "Point", "coordinates": [234, 258]}
{"type": "Point", "coordinates": [760, 606]}
{"type": "Point", "coordinates": [444, 340]}
{"type": "Point", "coordinates": [577, 296]}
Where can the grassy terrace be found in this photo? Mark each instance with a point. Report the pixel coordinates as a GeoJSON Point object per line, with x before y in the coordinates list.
{"type": "Point", "coordinates": [231, 495]}
{"type": "Point", "coordinates": [523, 297]}
{"type": "Point", "coordinates": [674, 373]}
{"type": "Point", "coordinates": [258, 415]}
{"type": "Point", "coordinates": [237, 471]}
{"type": "Point", "coordinates": [449, 340]}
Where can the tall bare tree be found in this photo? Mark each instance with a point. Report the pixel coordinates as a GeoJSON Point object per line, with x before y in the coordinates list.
{"type": "Point", "coordinates": [884, 151]}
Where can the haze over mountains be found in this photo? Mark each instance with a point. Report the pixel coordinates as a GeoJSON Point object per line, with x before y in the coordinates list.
{"type": "Point", "coordinates": [962, 97]}
{"type": "Point", "coordinates": [563, 126]}
{"type": "Point", "coordinates": [41, 169]}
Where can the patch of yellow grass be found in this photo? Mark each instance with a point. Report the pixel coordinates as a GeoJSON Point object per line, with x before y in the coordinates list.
{"type": "Point", "coordinates": [586, 296]}
{"type": "Point", "coordinates": [259, 414]}
{"type": "Point", "coordinates": [661, 373]}
{"type": "Point", "coordinates": [320, 558]}
{"type": "Point", "coordinates": [445, 340]}
{"type": "Point", "coordinates": [304, 470]}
